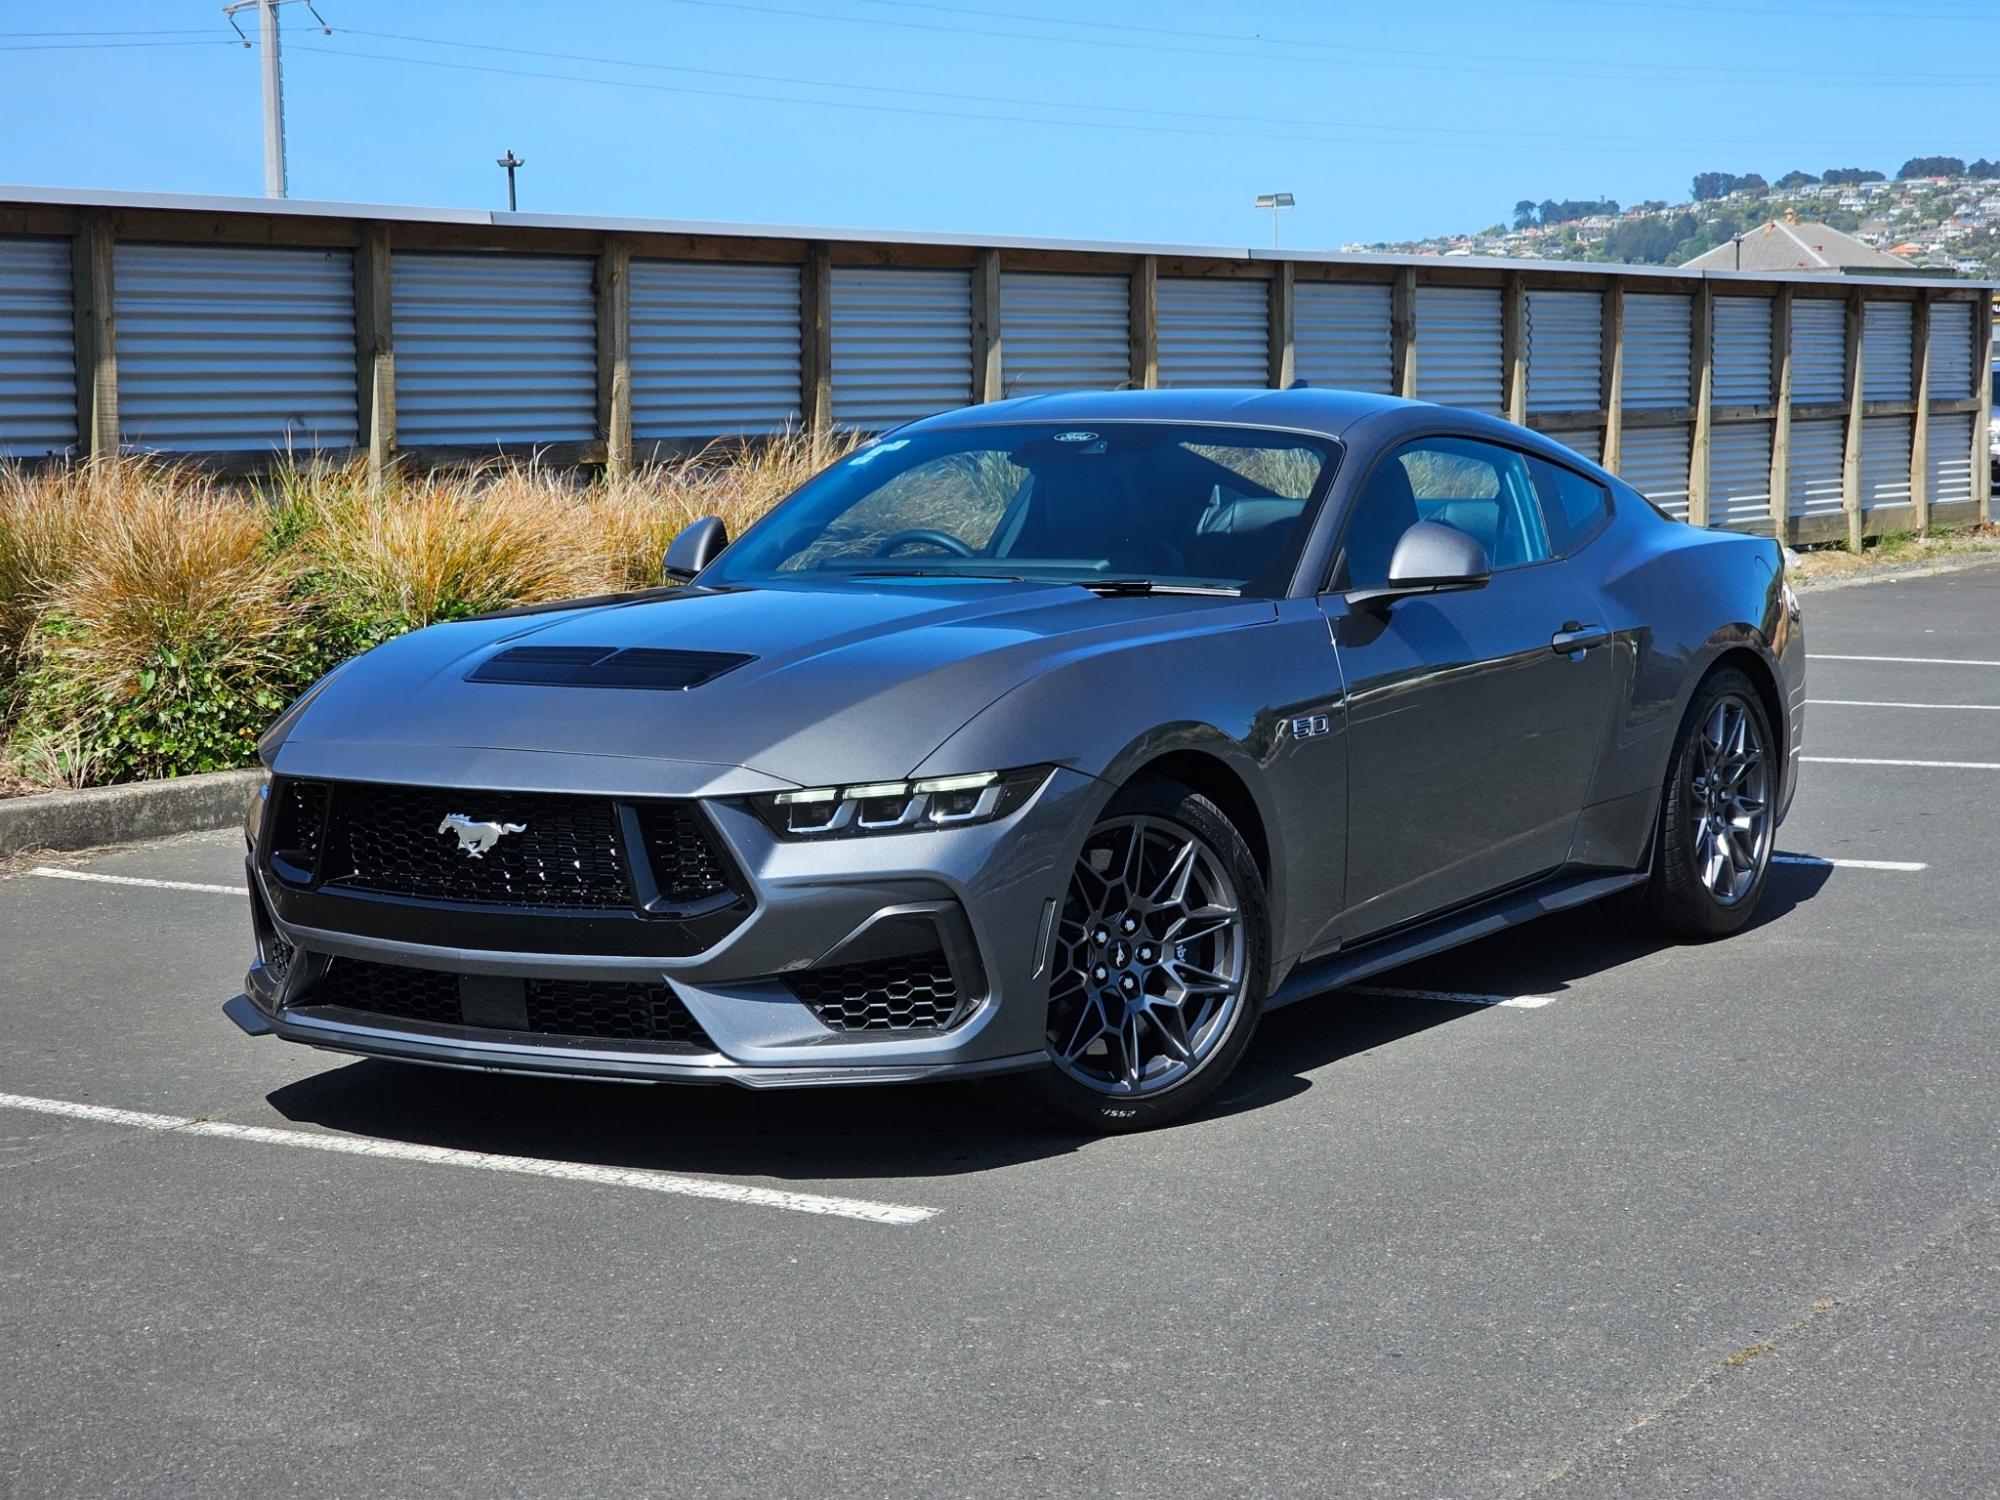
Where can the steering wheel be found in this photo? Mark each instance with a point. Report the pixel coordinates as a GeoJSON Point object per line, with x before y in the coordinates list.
{"type": "Point", "coordinates": [943, 540]}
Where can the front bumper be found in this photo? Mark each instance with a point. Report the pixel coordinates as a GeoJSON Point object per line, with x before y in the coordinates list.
{"type": "Point", "coordinates": [990, 892]}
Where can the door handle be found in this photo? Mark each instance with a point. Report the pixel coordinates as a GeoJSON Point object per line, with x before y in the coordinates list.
{"type": "Point", "coordinates": [1576, 638]}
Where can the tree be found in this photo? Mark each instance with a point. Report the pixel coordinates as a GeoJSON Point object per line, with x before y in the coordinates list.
{"type": "Point", "coordinates": [1931, 166]}
{"type": "Point", "coordinates": [1797, 179]}
{"type": "Point", "coordinates": [1751, 182]}
{"type": "Point", "coordinates": [1850, 176]}
{"type": "Point", "coordinates": [1985, 170]}
{"type": "Point", "coordinates": [1708, 186]}
{"type": "Point", "coordinates": [1524, 213]}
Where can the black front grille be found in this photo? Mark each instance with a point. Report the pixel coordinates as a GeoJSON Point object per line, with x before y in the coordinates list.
{"type": "Point", "coordinates": [606, 1010]}
{"type": "Point", "coordinates": [389, 990]}
{"type": "Point", "coordinates": [686, 864]}
{"type": "Point", "coordinates": [500, 848]}
{"type": "Point", "coordinates": [911, 993]}
{"type": "Point", "coordinates": [620, 1012]}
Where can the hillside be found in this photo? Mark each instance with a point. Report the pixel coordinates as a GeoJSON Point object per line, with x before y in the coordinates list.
{"type": "Point", "coordinates": [1938, 213]}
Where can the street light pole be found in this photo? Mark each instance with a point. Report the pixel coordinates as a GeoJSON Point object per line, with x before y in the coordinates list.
{"type": "Point", "coordinates": [274, 82]}
{"type": "Point", "coordinates": [1274, 202]}
{"type": "Point", "coordinates": [510, 161]}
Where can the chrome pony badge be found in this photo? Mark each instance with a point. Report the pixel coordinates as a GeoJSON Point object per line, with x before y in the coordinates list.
{"type": "Point", "coordinates": [474, 839]}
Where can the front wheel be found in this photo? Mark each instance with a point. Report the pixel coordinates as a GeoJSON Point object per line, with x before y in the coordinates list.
{"type": "Point", "coordinates": [1160, 964]}
{"type": "Point", "coordinates": [1712, 846]}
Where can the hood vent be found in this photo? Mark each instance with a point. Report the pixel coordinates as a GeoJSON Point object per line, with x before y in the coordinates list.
{"type": "Point", "coordinates": [605, 667]}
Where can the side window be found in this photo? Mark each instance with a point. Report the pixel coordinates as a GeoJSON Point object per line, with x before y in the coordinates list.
{"type": "Point", "coordinates": [1572, 505]}
{"type": "Point", "coordinates": [1477, 488]}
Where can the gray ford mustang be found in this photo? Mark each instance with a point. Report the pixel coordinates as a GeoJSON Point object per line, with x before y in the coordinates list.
{"type": "Point", "coordinates": [1055, 739]}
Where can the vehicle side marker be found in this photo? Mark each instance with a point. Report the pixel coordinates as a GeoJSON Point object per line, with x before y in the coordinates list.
{"type": "Point", "coordinates": [444, 1156]}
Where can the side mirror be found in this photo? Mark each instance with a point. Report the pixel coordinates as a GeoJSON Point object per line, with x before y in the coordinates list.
{"type": "Point", "coordinates": [1430, 559]}
{"type": "Point", "coordinates": [694, 549]}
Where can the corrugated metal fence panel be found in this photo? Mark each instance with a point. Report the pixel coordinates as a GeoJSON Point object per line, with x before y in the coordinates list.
{"type": "Point", "coordinates": [1819, 351]}
{"type": "Point", "coordinates": [1885, 461]}
{"type": "Point", "coordinates": [223, 348]}
{"type": "Point", "coordinates": [1565, 351]}
{"type": "Point", "coordinates": [1214, 332]}
{"type": "Point", "coordinates": [1739, 476]}
{"type": "Point", "coordinates": [494, 348]}
{"type": "Point", "coordinates": [1949, 460]}
{"type": "Point", "coordinates": [1589, 443]}
{"type": "Point", "coordinates": [1458, 347]}
{"type": "Point", "coordinates": [1742, 351]}
{"type": "Point", "coordinates": [1655, 463]}
{"type": "Point", "coordinates": [37, 349]}
{"type": "Point", "coordinates": [1885, 351]}
{"type": "Point", "coordinates": [1064, 333]}
{"type": "Point", "coordinates": [715, 348]}
{"type": "Point", "coordinates": [1813, 476]}
{"type": "Point", "coordinates": [1340, 335]}
{"type": "Point", "coordinates": [902, 344]}
{"type": "Point", "coordinates": [1951, 352]}
{"type": "Point", "coordinates": [1658, 350]}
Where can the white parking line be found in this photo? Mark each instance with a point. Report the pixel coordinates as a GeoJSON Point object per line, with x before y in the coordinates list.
{"type": "Point", "coordinates": [527, 1166]}
{"type": "Point", "coordinates": [1989, 708]}
{"type": "Point", "coordinates": [1902, 866]}
{"type": "Point", "coordinates": [52, 873]}
{"type": "Point", "coordinates": [1912, 661]}
{"type": "Point", "coordinates": [1452, 997]}
{"type": "Point", "coordinates": [1934, 765]}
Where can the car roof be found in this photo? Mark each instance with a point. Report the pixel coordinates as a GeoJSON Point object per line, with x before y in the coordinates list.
{"type": "Point", "coordinates": [1302, 409]}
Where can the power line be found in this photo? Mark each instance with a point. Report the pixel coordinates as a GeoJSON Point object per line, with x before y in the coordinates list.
{"type": "Point", "coordinates": [1485, 139]}
{"type": "Point", "coordinates": [108, 46]}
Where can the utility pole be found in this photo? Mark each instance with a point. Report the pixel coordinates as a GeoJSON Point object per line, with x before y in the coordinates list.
{"type": "Point", "coordinates": [510, 161]}
{"type": "Point", "coordinates": [274, 82]}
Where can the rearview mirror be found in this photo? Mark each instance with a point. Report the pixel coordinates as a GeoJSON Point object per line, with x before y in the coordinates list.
{"type": "Point", "coordinates": [694, 549]}
{"type": "Point", "coordinates": [1430, 559]}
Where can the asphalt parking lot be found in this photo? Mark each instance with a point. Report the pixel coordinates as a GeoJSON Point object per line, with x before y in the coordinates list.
{"type": "Point", "coordinates": [1692, 1221]}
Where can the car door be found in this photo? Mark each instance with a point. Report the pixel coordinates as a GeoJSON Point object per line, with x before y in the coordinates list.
{"type": "Point", "coordinates": [1474, 718]}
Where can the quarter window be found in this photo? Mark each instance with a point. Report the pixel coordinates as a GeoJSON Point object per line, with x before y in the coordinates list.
{"type": "Point", "coordinates": [1477, 488]}
{"type": "Point", "coordinates": [1572, 505]}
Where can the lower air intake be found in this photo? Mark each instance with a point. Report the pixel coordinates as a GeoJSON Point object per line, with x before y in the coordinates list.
{"type": "Point", "coordinates": [915, 992]}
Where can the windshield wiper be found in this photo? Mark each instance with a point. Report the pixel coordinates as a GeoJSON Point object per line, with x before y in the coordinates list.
{"type": "Point", "coordinates": [1121, 586]}
{"type": "Point", "coordinates": [935, 573]}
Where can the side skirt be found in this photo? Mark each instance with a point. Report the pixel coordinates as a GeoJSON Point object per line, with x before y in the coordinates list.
{"type": "Point", "coordinates": [1466, 926]}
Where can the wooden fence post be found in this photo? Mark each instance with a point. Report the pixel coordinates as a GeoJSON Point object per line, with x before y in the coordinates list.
{"type": "Point", "coordinates": [1781, 416]}
{"type": "Point", "coordinates": [1514, 350]}
{"type": "Point", "coordinates": [1403, 334]}
{"type": "Point", "coordinates": [988, 357]}
{"type": "Point", "coordinates": [816, 339]}
{"type": "Point", "coordinates": [375, 350]}
{"type": "Point", "coordinates": [1850, 465]}
{"type": "Point", "coordinates": [614, 354]}
{"type": "Point", "coordinates": [94, 306]}
{"type": "Point", "coordinates": [1920, 422]}
{"type": "Point", "coordinates": [1146, 323]}
{"type": "Point", "coordinates": [1611, 451]}
{"type": "Point", "coordinates": [1704, 403]}
{"type": "Point", "coordinates": [1282, 342]}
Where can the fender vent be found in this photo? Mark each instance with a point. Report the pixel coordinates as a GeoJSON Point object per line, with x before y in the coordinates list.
{"type": "Point", "coordinates": [606, 667]}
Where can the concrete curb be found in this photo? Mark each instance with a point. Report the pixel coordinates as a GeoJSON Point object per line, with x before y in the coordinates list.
{"type": "Point", "coordinates": [124, 814]}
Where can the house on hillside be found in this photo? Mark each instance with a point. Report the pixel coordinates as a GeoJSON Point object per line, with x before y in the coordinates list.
{"type": "Point", "coordinates": [1800, 245]}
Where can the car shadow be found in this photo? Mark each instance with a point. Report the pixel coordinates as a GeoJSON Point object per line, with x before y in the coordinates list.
{"type": "Point", "coordinates": [926, 1130]}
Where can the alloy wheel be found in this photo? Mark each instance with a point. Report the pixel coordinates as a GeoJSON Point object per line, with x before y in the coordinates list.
{"type": "Point", "coordinates": [1730, 811]}
{"type": "Point", "coordinates": [1151, 961]}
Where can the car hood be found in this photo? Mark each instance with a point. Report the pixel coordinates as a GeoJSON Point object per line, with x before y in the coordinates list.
{"type": "Point", "coordinates": [844, 681]}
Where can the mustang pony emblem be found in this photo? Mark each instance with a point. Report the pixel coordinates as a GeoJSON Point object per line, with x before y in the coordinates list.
{"type": "Point", "coordinates": [475, 839]}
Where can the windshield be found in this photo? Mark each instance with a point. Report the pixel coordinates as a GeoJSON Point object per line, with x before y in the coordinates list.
{"type": "Point", "coordinates": [1173, 504]}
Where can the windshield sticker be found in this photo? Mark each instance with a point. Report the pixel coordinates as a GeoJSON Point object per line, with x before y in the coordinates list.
{"type": "Point", "coordinates": [874, 451]}
{"type": "Point", "coordinates": [1076, 437]}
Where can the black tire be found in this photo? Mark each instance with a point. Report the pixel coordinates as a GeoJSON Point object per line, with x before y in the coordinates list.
{"type": "Point", "coordinates": [1677, 902]}
{"type": "Point", "coordinates": [1051, 1095]}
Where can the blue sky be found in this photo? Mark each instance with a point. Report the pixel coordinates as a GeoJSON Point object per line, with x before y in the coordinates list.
{"type": "Point", "coordinates": [1115, 119]}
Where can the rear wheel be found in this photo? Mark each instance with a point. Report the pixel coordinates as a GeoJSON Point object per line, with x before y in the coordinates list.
{"type": "Point", "coordinates": [1712, 847]}
{"type": "Point", "coordinates": [1160, 964]}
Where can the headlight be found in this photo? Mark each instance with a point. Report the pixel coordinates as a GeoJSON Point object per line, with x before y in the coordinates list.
{"type": "Point", "coordinates": [898, 806]}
